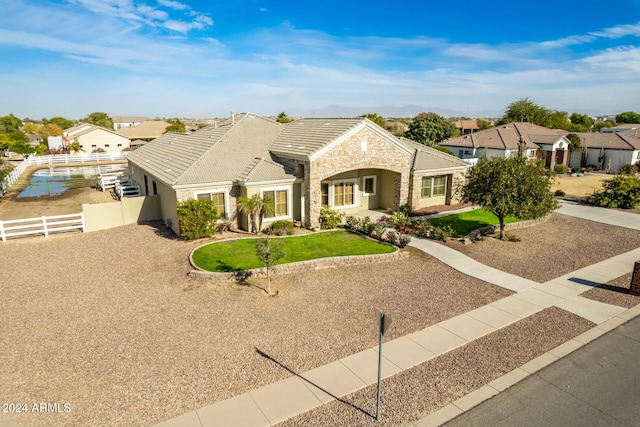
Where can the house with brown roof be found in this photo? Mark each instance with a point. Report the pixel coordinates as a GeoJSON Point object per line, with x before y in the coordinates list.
{"type": "Point", "coordinates": [551, 145]}
{"type": "Point", "coordinates": [466, 126]}
{"type": "Point", "coordinates": [351, 165]}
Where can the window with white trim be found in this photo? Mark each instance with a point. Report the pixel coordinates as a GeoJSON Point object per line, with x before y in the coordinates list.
{"type": "Point", "coordinates": [434, 186]}
{"type": "Point", "coordinates": [279, 203]}
{"type": "Point", "coordinates": [369, 185]}
{"type": "Point", "coordinates": [218, 200]}
{"type": "Point", "coordinates": [324, 189]}
{"type": "Point", "coordinates": [343, 194]}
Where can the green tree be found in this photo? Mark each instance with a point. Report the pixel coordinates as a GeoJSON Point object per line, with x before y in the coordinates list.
{"type": "Point", "coordinates": [430, 129]}
{"type": "Point", "coordinates": [510, 186]}
{"type": "Point", "coordinates": [99, 119]}
{"type": "Point", "coordinates": [74, 146]}
{"type": "Point", "coordinates": [197, 218]}
{"type": "Point", "coordinates": [10, 124]}
{"type": "Point", "coordinates": [283, 118]}
{"type": "Point", "coordinates": [176, 125]}
{"type": "Point", "coordinates": [61, 122]}
{"type": "Point", "coordinates": [483, 124]}
{"type": "Point", "coordinates": [256, 208]}
{"type": "Point", "coordinates": [581, 122]}
{"type": "Point", "coordinates": [628, 117]}
{"type": "Point", "coordinates": [604, 124]}
{"type": "Point", "coordinates": [30, 128]}
{"type": "Point", "coordinates": [269, 252]}
{"type": "Point", "coordinates": [557, 119]}
{"type": "Point", "coordinates": [375, 118]}
{"type": "Point", "coordinates": [525, 110]}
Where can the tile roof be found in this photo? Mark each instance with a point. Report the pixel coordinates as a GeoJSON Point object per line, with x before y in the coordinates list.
{"type": "Point", "coordinates": [305, 137]}
{"type": "Point", "coordinates": [217, 153]}
{"type": "Point", "coordinates": [147, 129]}
{"type": "Point", "coordinates": [614, 141]}
{"type": "Point", "coordinates": [427, 158]}
{"type": "Point", "coordinates": [128, 119]}
{"type": "Point", "coordinates": [241, 149]}
{"type": "Point", "coordinates": [507, 137]}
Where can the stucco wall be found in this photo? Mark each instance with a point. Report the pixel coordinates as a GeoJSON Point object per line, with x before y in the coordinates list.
{"type": "Point", "coordinates": [454, 181]}
{"type": "Point", "coordinates": [130, 210]}
{"type": "Point", "coordinates": [101, 139]}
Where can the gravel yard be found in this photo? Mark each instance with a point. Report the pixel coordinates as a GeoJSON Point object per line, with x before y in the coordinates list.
{"type": "Point", "coordinates": [109, 322]}
{"type": "Point", "coordinates": [425, 388]}
{"type": "Point", "coordinates": [615, 292]}
{"type": "Point", "coordinates": [558, 246]}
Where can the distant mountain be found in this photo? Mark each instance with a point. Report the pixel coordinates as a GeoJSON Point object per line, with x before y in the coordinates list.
{"type": "Point", "coordinates": [388, 111]}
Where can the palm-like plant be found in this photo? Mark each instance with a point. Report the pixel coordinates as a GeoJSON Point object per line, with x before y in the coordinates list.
{"type": "Point", "coordinates": [256, 208]}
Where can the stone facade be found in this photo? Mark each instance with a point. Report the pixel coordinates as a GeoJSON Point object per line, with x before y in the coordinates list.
{"type": "Point", "coordinates": [363, 150]}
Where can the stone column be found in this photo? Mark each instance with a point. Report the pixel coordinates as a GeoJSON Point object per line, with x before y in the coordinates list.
{"type": "Point", "coordinates": [635, 279]}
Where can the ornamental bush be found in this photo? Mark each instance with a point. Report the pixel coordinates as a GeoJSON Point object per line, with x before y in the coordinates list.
{"type": "Point", "coordinates": [330, 218]}
{"type": "Point", "coordinates": [621, 192]}
{"type": "Point", "coordinates": [197, 219]}
{"type": "Point", "coordinates": [280, 228]}
{"type": "Point", "coordinates": [561, 169]}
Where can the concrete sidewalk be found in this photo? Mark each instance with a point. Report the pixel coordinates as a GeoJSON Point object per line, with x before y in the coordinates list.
{"type": "Point", "coordinates": [307, 390]}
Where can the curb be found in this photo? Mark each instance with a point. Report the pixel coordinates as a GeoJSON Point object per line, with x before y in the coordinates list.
{"type": "Point", "coordinates": [486, 392]}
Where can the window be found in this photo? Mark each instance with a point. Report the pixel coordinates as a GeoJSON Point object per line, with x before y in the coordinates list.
{"type": "Point", "coordinates": [434, 186]}
{"type": "Point", "coordinates": [278, 200]}
{"type": "Point", "coordinates": [343, 194]}
{"type": "Point", "coordinates": [216, 198]}
{"type": "Point", "coordinates": [93, 146]}
{"type": "Point", "coordinates": [369, 185]}
{"type": "Point", "coordinates": [155, 187]}
{"type": "Point", "coordinates": [324, 188]}
{"type": "Point", "coordinates": [146, 185]}
{"type": "Point", "coordinates": [119, 145]}
{"type": "Point", "coordinates": [106, 145]}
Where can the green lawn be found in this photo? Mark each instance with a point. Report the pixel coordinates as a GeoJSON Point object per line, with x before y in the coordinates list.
{"type": "Point", "coordinates": [240, 254]}
{"type": "Point", "coordinates": [466, 222]}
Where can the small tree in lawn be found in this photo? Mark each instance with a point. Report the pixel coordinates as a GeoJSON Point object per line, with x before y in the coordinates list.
{"type": "Point", "coordinates": [269, 252]}
{"type": "Point", "coordinates": [510, 186]}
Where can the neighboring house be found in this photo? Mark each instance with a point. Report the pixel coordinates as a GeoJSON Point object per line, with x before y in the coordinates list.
{"type": "Point", "coordinates": [617, 149]}
{"type": "Point", "coordinates": [350, 165]}
{"type": "Point", "coordinates": [466, 126]}
{"type": "Point", "coordinates": [622, 128]}
{"type": "Point", "coordinates": [34, 141]}
{"type": "Point", "coordinates": [93, 138]}
{"type": "Point", "coordinates": [551, 145]}
{"type": "Point", "coordinates": [145, 131]}
{"type": "Point", "coordinates": [120, 122]}
{"type": "Point", "coordinates": [507, 140]}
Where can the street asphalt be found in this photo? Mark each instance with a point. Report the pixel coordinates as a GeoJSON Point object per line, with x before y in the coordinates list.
{"type": "Point", "coordinates": [597, 385]}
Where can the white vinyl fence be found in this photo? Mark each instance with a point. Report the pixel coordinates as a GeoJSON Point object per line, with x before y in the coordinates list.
{"type": "Point", "coordinates": [42, 225]}
{"type": "Point", "coordinates": [52, 159]}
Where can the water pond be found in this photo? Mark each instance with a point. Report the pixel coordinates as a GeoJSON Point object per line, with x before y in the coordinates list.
{"type": "Point", "coordinates": [55, 181]}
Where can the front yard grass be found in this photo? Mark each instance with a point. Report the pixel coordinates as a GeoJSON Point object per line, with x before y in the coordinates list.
{"type": "Point", "coordinates": [466, 222]}
{"type": "Point", "coordinates": [238, 255]}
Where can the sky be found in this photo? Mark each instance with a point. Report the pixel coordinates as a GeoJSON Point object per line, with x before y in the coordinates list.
{"type": "Point", "coordinates": [206, 58]}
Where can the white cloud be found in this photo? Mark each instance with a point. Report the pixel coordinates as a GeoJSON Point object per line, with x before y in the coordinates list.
{"type": "Point", "coordinates": [173, 5]}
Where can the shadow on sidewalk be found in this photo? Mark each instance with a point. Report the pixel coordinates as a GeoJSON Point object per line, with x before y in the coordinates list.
{"type": "Point", "coordinates": [601, 285]}
{"type": "Point", "coordinates": [266, 356]}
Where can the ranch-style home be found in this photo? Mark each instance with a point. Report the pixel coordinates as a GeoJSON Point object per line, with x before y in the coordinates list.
{"type": "Point", "coordinates": [94, 138]}
{"type": "Point", "coordinates": [351, 165]}
{"type": "Point", "coordinates": [552, 145]}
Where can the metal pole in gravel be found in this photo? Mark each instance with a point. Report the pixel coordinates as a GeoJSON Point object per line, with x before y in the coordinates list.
{"type": "Point", "coordinates": [385, 321]}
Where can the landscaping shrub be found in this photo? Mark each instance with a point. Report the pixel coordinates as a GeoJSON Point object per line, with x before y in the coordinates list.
{"type": "Point", "coordinates": [561, 169]}
{"type": "Point", "coordinates": [423, 228]}
{"type": "Point", "coordinates": [330, 218]}
{"type": "Point", "coordinates": [631, 170]}
{"type": "Point", "coordinates": [280, 228]}
{"type": "Point", "coordinates": [382, 230]}
{"type": "Point", "coordinates": [560, 193]}
{"type": "Point", "coordinates": [197, 218]}
{"type": "Point", "coordinates": [621, 192]}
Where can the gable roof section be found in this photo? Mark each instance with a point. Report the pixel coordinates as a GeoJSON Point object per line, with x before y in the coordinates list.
{"type": "Point", "coordinates": [310, 138]}
{"type": "Point", "coordinates": [146, 129]}
{"type": "Point", "coordinates": [217, 153]}
{"type": "Point", "coordinates": [614, 141]}
{"type": "Point", "coordinates": [428, 158]}
{"type": "Point", "coordinates": [128, 119]}
{"type": "Point", "coordinates": [85, 128]}
{"type": "Point", "coordinates": [264, 170]}
{"type": "Point", "coordinates": [507, 137]}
